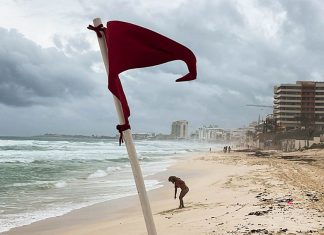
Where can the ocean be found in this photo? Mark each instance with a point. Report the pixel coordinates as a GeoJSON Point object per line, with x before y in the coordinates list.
{"type": "Point", "coordinates": [42, 178]}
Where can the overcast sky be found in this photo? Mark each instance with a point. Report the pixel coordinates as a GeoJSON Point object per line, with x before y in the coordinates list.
{"type": "Point", "coordinates": [52, 78]}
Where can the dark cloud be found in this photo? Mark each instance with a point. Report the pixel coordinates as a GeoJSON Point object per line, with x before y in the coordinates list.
{"type": "Point", "coordinates": [31, 74]}
{"type": "Point", "coordinates": [243, 49]}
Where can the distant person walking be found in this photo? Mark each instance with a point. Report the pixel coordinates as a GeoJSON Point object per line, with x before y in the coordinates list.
{"type": "Point", "coordinates": [229, 149]}
{"type": "Point", "coordinates": [225, 149]}
{"type": "Point", "coordinates": [179, 183]}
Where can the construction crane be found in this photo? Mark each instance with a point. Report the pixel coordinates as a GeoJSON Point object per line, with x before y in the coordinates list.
{"type": "Point", "coordinates": [259, 105]}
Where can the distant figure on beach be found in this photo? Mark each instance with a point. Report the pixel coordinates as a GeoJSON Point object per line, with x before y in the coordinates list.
{"type": "Point", "coordinates": [225, 149]}
{"type": "Point", "coordinates": [229, 149]}
{"type": "Point", "coordinates": [179, 183]}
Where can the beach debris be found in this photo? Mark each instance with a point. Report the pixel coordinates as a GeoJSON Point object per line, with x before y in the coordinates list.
{"type": "Point", "coordinates": [266, 199]}
{"type": "Point", "coordinates": [259, 231]}
{"type": "Point", "coordinates": [259, 213]}
{"type": "Point", "coordinates": [283, 230]}
{"type": "Point", "coordinates": [261, 154]}
{"type": "Point", "coordinates": [312, 196]}
{"type": "Point", "coordinates": [263, 197]}
{"type": "Point", "coordinates": [301, 159]}
{"type": "Point", "coordinates": [284, 199]}
{"type": "Point", "coordinates": [244, 150]}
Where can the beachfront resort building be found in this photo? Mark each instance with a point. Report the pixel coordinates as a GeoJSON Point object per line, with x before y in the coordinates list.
{"type": "Point", "coordinates": [300, 105]}
{"type": "Point", "coordinates": [179, 129]}
{"type": "Point", "coordinates": [213, 133]}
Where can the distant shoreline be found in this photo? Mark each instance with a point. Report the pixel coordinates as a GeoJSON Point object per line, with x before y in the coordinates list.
{"type": "Point", "coordinates": [48, 136]}
{"type": "Point", "coordinates": [62, 137]}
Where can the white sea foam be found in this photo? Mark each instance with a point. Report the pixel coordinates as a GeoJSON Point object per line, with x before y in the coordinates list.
{"type": "Point", "coordinates": [33, 183]}
{"type": "Point", "coordinates": [59, 170]}
{"type": "Point", "coordinates": [113, 168]}
{"type": "Point", "coordinates": [15, 159]}
{"type": "Point", "coordinates": [60, 184]}
{"type": "Point", "coordinates": [97, 174]}
{"type": "Point", "coordinates": [12, 221]}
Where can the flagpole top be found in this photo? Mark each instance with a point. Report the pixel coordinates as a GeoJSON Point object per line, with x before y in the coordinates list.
{"type": "Point", "coordinates": [97, 21]}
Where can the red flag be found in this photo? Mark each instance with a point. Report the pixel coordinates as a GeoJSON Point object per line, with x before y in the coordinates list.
{"type": "Point", "coordinates": [131, 46]}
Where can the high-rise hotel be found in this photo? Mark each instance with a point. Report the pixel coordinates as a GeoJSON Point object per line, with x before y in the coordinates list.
{"type": "Point", "coordinates": [299, 105]}
{"type": "Point", "coordinates": [179, 129]}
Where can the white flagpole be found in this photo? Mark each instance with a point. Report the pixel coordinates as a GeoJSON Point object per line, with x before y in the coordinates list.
{"type": "Point", "coordinates": [127, 136]}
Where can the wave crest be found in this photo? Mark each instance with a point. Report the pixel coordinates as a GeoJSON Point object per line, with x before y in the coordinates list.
{"type": "Point", "coordinates": [97, 174]}
{"type": "Point", "coordinates": [60, 184]}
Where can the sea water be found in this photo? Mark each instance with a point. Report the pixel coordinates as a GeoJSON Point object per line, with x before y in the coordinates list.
{"type": "Point", "coordinates": [42, 178]}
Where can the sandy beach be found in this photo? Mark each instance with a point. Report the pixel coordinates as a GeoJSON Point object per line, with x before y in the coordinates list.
{"type": "Point", "coordinates": [230, 193]}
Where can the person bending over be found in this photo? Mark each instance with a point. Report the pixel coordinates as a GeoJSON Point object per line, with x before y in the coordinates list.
{"type": "Point", "coordinates": [179, 183]}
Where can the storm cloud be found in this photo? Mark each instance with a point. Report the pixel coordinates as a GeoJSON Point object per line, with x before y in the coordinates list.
{"type": "Point", "coordinates": [243, 49]}
{"type": "Point", "coordinates": [32, 75]}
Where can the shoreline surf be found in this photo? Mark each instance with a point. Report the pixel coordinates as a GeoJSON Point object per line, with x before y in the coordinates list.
{"type": "Point", "coordinates": [110, 179]}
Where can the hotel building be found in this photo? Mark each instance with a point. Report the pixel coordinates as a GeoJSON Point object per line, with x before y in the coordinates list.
{"type": "Point", "coordinates": [179, 129]}
{"type": "Point", "coordinates": [300, 105]}
{"type": "Point", "coordinates": [213, 133]}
